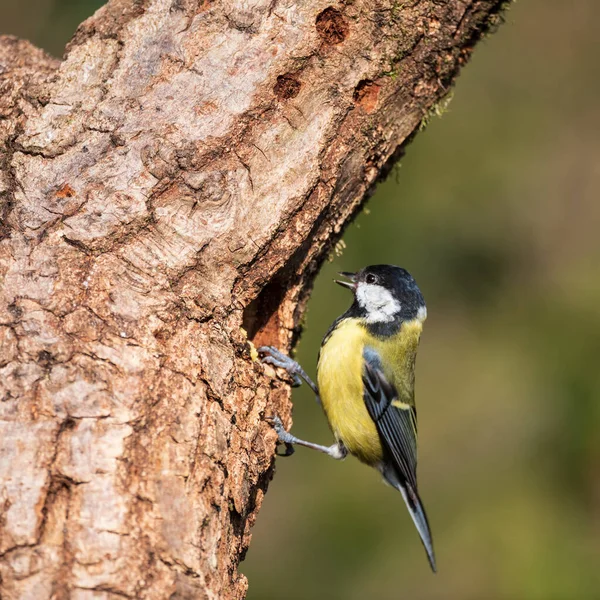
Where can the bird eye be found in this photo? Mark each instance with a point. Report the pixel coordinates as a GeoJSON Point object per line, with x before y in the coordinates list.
{"type": "Point", "coordinates": [370, 278]}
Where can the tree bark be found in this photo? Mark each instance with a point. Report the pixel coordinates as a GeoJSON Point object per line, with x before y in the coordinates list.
{"type": "Point", "coordinates": [167, 192]}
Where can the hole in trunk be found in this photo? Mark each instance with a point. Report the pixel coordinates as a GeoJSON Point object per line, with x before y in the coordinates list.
{"type": "Point", "coordinates": [261, 318]}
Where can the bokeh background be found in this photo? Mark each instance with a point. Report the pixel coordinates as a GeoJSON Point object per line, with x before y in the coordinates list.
{"type": "Point", "coordinates": [495, 210]}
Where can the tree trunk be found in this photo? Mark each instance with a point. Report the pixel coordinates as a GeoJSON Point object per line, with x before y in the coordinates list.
{"type": "Point", "coordinates": [167, 193]}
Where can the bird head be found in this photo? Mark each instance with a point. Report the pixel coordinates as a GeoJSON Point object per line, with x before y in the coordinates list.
{"type": "Point", "coordinates": [385, 293]}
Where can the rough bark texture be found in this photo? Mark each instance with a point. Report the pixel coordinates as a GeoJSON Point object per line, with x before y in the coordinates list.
{"type": "Point", "coordinates": [169, 186]}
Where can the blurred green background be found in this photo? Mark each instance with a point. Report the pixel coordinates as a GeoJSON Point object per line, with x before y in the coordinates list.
{"type": "Point", "coordinates": [495, 212]}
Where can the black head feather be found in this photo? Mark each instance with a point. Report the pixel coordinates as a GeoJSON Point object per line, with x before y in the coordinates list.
{"type": "Point", "coordinates": [404, 293]}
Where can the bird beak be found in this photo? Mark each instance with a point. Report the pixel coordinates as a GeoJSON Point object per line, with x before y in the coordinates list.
{"type": "Point", "coordinates": [351, 285]}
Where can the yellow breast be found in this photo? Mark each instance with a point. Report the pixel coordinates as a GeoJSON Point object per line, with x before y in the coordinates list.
{"type": "Point", "coordinates": [339, 376]}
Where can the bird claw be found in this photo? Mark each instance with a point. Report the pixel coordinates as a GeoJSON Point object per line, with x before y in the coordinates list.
{"type": "Point", "coordinates": [272, 356]}
{"type": "Point", "coordinates": [289, 450]}
{"type": "Point", "coordinates": [284, 436]}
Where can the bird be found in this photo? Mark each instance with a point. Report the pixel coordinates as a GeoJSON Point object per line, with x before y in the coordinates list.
{"type": "Point", "coordinates": [365, 382]}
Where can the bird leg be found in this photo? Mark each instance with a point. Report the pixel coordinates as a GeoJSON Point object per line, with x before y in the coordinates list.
{"type": "Point", "coordinates": [337, 450]}
{"type": "Point", "coordinates": [272, 356]}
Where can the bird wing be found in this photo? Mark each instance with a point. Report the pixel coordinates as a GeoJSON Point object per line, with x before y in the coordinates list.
{"type": "Point", "coordinates": [396, 421]}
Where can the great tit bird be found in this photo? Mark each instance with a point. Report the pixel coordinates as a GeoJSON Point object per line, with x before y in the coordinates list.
{"type": "Point", "coordinates": [366, 378]}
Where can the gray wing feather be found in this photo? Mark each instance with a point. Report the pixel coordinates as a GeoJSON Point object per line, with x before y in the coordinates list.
{"type": "Point", "coordinates": [396, 426]}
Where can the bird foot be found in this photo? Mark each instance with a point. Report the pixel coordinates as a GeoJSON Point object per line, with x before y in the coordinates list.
{"type": "Point", "coordinates": [272, 356]}
{"type": "Point", "coordinates": [285, 437]}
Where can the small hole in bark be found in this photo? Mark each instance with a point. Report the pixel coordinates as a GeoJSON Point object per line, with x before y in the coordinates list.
{"type": "Point", "coordinates": [287, 87]}
{"type": "Point", "coordinates": [69, 424]}
{"type": "Point", "coordinates": [366, 94]}
{"type": "Point", "coordinates": [66, 191]}
{"type": "Point", "coordinates": [332, 27]}
{"type": "Point", "coordinates": [44, 357]}
{"type": "Point", "coordinates": [162, 335]}
{"type": "Point", "coordinates": [177, 5]}
{"type": "Point", "coordinates": [15, 311]}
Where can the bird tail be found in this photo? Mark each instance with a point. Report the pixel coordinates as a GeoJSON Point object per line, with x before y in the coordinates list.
{"type": "Point", "coordinates": [417, 512]}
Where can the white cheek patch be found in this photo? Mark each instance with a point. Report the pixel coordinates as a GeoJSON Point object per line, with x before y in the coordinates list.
{"type": "Point", "coordinates": [378, 303]}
